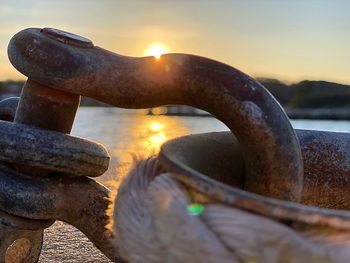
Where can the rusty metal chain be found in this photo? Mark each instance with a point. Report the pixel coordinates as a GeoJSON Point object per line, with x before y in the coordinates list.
{"type": "Point", "coordinates": [73, 65]}
{"type": "Point", "coordinates": [44, 170]}
{"type": "Point", "coordinates": [44, 173]}
{"type": "Point", "coordinates": [20, 238]}
{"type": "Point", "coordinates": [51, 150]}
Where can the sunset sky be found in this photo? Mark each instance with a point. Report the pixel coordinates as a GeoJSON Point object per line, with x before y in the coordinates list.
{"type": "Point", "coordinates": [286, 39]}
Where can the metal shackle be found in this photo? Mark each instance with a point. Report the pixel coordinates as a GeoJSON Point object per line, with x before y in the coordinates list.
{"type": "Point", "coordinates": [72, 64]}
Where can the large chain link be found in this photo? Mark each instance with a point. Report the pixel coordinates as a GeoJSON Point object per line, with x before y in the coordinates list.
{"type": "Point", "coordinates": [66, 194]}
{"type": "Point", "coordinates": [44, 171]}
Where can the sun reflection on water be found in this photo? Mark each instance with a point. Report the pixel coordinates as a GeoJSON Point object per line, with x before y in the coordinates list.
{"type": "Point", "coordinates": [155, 141]}
{"type": "Point", "coordinates": [156, 126]}
{"type": "Point", "coordinates": [144, 135]}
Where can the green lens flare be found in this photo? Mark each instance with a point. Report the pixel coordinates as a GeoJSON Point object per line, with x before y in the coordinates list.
{"type": "Point", "coordinates": [195, 209]}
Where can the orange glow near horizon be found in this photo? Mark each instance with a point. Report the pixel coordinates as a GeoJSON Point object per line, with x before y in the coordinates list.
{"type": "Point", "coordinates": [156, 50]}
{"type": "Point", "coordinates": [298, 40]}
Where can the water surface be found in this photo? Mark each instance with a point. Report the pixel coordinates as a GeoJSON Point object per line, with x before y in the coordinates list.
{"type": "Point", "coordinates": [130, 132]}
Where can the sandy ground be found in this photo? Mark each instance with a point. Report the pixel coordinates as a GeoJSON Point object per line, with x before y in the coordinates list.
{"type": "Point", "coordinates": [64, 243]}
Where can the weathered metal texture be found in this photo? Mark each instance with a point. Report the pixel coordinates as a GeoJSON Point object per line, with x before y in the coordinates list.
{"type": "Point", "coordinates": [266, 163]}
{"type": "Point", "coordinates": [67, 37]}
{"type": "Point", "coordinates": [8, 108]}
{"type": "Point", "coordinates": [268, 142]}
{"type": "Point", "coordinates": [54, 151]}
{"type": "Point", "coordinates": [79, 201]}
{"type": "Point", "coordinates": [20, 238]}
{"type": "Point", "coordinates": [37, 140]}
{"type": "Point", "coordinates": [326, 158]}
{"type": "Point", "coordinates": [47, 108]}
{"type": "Point", "coordinates": [224, 171]}
{"type": "Point", "coordinates": [20, 245]}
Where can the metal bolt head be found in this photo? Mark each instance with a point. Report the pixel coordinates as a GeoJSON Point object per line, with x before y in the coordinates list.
{"type": "Point", "coordinates": [67, 38]}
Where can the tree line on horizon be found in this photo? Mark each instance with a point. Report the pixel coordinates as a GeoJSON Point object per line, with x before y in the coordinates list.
{"type": "Point", "coordinates": [302, 95]}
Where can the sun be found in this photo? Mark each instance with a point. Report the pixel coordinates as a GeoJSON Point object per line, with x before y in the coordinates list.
{"type": "Point", "coordinates": [156, 50]}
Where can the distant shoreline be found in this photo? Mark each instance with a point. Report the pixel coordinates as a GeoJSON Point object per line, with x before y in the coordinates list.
{"type": "Point", "coordinates": [303, 100]}
{"type": "Point", "coordinates": [312, 114]}
{"type": "Point", "coordinates": [319, 114]}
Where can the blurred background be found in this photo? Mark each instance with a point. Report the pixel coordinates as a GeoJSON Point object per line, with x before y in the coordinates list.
{"type": "Point", "coordinates": [297, 49]}
{"type": "Point", "coordinates": [291, 40]}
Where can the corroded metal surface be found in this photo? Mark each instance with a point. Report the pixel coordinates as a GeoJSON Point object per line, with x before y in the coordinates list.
{"type": "Point", "coordinates": [8, 108]}
{"type": "Point", "coordinates": [51, 150]}
{"type": "Point", "coordinates": [46, 108]}
{"type": "Point", "coordinates": [67, 37]}
{"type": "Point", "coordinates": [79, 201]}
{"type": "Point", "coordinates": [240, 102]}
{"type": "Point", "coordinates": [220, 176]}
{"type": "Point", "coordinates": [20, 238]}
{"type": "Point", "coordinates": [326, 158]}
